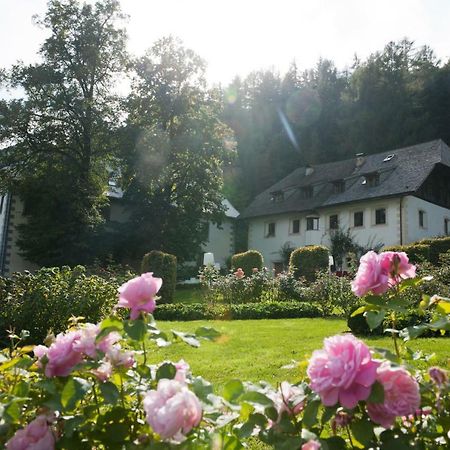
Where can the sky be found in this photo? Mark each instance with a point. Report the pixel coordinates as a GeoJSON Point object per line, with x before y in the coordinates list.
{"type": "Point", "coordinates": [235, 37]}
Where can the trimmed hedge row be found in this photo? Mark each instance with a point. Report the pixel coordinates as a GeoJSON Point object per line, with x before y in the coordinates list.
{"type": "Point", "coordinates": [424, 250]}
{"type": "Point", "coordinates": [244, 311]}
{"type": "Point", "coordinates": [247, 261]}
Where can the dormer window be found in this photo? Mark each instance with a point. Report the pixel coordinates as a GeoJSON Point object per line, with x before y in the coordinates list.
{"type": "Point", "coordinates": [373, 179]}
{"type": "Point", "coordinates": [277, 196]}
{"type": "Point", "coordinates": [338, 186]}
{"type": "Point", "coordinates": [307, 191]}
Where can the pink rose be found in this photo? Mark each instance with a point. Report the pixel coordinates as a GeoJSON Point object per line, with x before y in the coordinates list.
{"type": "Point", "coordinates": [172, 410]}
{"type": "Point", "coordinates": [370, 276]}
{"type": "Point", "coordinates": [61, 355]}
{"type": "Point", "coordinates": [401, 395]}
{"type": "Point", "coordinates": [139, 294]}
{"type": "Point", "coordinates": [239, 274]}
{"type": "Point", "coordinates": [397, 266]}
{"type": "Point", "coordinates": [289, 399]}
{"type": "Point", "coordinates": [87, 344]}
{"type": "Point", "coordinates": [37, 435]}
{"type": "Point", "coordinates": [103, 371]}
{"type": "Point", "coordinates": [311, 445]}
{"type": "Point", "coordinates": [182, 370]}
{"type": "Point", "coordinates": [343, 371]}
{"type": "Point", "coordinates": [119, 358]}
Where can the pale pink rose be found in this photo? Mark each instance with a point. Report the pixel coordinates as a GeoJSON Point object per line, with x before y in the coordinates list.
{"type": "Point", "coordinates": [182, 370]}
{"type": "Point", "coordinates": [87, 344]}
{"type": "Point", "coordinates": [239, 274]}
{"type": "Point", "coordinates": [139, 294]}
{"type": "Point", "coordinates": [172, 410]}
{"type": "Point", "coordinates": [370, 276]}
{"type": "Point", "coordinates": [61, 355]}
{"type": "Point", "coordinates": [397, 266]}
{"type": "Point", "coordinates": [401, 395]}
{"type": "Point", "coordinates": [290, 399]}
{"type": "Point", "coordinates": [119, 358]}
{"type": "Point", "coordinates": [104, 371]}
{"type": "Point", "coordinates": [311, 445]}
{"type": "Point", "coordinates": [343, 371]}
{"type": "Point", "coordinates": [37, 435]}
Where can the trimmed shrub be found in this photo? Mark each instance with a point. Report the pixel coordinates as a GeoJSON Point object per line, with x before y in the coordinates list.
{"type": "Point", "coordinates": [247, 261]}
{"type": "Point", "coordinates": [246, 311]}
{"type": "Point", "coordinates": [417, 253]}
{"type": "Point", "coordinates": [306, 261]}
{"type": "Point", "coordinates": [163, 265]}
{"type": "Point", "coordinates": [437, 247]}
{"type": "Point", "coordinates": [46, 300]}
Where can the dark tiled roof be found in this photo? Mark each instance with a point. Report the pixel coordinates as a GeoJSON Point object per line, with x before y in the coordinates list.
{"type": "Point", "coordinates": [404, 173]}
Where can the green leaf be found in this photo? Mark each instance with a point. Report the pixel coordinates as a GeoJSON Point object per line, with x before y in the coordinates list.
{"type": "Point", "coordinates": [136, 329]}
{"type": "Point", "coordinates": [207, 333]}
{"type": "Point", "coordinates": [376, 394]}
{"type": "Point", "coordinates": [109, 325]}
{"type": "Point", "coordinates": [189, 339]}
{"type": "Point", "coordinates": [413, 332]}
{"type": "Point", "coordinates": [202, 388]}
{"type": "Point", "coordinates": [256, 397]}
{"type": "Point", "coordinates": [335, 443]}
{"type": "Point", "coordinates": [13, 410]}
{"type": "Point", "coordinates": [166, 370]}
{"type": "Point", "coordinates": [375, 300]}
{"type": "Point", "coordinates": [374, 318]}
{"type": "Point", "coordinates": [362, 431]}
{"type": "Point", "coordinates": [232, 390]}
{"type": "Point", "coordinates": [310, 414]}
{"type": "Point", "coordinates": [72, 424]}
{"type": "Point", "coordinates": [8, 364]}
{"type": "Point", "coordinates": [21, 389]}
{"type": "Point", "coordinates": [110, 392]}
{"type": "Point", "coordinates": [74, 390]}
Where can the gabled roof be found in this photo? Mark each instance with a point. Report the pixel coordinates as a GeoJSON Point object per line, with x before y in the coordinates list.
{"type": "Point", "coordinates": [400, 174]}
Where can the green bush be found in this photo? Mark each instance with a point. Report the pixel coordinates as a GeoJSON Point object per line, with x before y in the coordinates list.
{"type": "Point", "coordinates": [163, 265]}
{"type": "Point", "coordinates": [437, 246]}
{"type": "Point", "coordinates": [417, 252]}
{"type": "Point", "coordinates": [306, 261]}
{"type": "Point", "coordinates": [247, 261]}
{"type": "Point", "coordinates": [261, 310]}
{"type": "Point", "coordinates": [46, 300]}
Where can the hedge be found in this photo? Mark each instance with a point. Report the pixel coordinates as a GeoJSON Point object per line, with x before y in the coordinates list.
{"type": "Point", "coordinates": [163, 265]}
{"type": "Point", "coordinates": [306, 261]}
{"type": "Point", "coordinates": [247, 261]}
{"type": "Point", "coordinates": [244, 311]}
{"type": "Point", "coordinates": [416, 252]}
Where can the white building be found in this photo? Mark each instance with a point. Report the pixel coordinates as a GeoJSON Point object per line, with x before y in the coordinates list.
{"type": "Point", "coordinates": [393, 198]}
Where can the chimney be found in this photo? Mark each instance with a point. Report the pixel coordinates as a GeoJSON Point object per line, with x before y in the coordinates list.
{"type": "Point", "coordinates": [309, 170]}
{"type": "Point", "coordinates": [360, 159]}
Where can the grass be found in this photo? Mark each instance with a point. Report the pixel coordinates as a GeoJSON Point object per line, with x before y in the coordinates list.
{"type": "Point", "coordinates": [188, 294]}
{"type": "Point", "coordinates": [256, 350]}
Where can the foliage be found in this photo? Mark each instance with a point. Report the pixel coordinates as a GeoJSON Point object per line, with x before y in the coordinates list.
{"type": "Point", "coordinates": [417, 252]}
{"type": "Point", "coordinates": [342, 242]}
{"type": "Point", "coordinates": [163, 265]}
{"type": "Point", "coordinates": [44, 302]}
{"type": "Point", "coordinates": [58, 140]}
{"type": "Point", "coordinates": [285, 253]}
{"type": "Point", "coordinates": [306, 261]}
{"type": "Point", "coordinates": [113, 272]}
{"type": "Point", "coordinates": [174, 147]}
{"type": "Point", "coordinates": [247, 261]}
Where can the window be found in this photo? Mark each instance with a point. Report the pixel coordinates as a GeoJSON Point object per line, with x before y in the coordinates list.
{"type": "Point", "coordinates": [338, 186]}
{"type": "Point", "coordinates": [334, 222]}
{"type": "Point", "coordinates": [358, 219]}
{"type": "Point", "coordinates": [380, 216]}
{"type": "Point", "coordinates": [446, 226]}
{"type": "Point", "coordinates": [312, 223]}
{"type": "Point", "coordinates": [373, 179]}
{"type": "Point", "coordinates": [295, 226]}
{"type": "Point", "coordinates": [270, 229]}
{"type": "Point", "coordinates": [1, 203]}
{"type": "Point", "coordinates": [422, 219]}
{"type": "Point", "coordinates": [307, 191]}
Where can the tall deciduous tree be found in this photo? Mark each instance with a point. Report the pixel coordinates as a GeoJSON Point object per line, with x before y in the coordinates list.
{"type": "Point", "coordinates": [58, 138]}
{"type": "Point", "coordinates": [175, 150]}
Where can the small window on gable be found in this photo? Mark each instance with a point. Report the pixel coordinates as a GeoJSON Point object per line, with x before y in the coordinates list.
{"type": "Point", "coordinates": [373, 179]}
{"type": "Point", "coordinates": [422, 219]}
{"type": "Point", "coordinates": [334, 222]}
{"type": "Point", "coordinates": [295, 226]}
{"type": "Point", "coordinates": [446, 227]}
{"type": "Point", "coordinates": [388, 158]}
{"type": "Point", "coordinates": [277, 196]}
{"type": "Point", "coordinates": [380, 216]}
{"type": "Point", "coordinates": [338, 186]}
{"type": "Point", "coordinates": [358, 219]}
{"type": "Point", "coordinates": [307, 191]}
{"type": "Point", "coordinates": [270, 229]}
{"type": "Point", "coordinates": [312, 223]}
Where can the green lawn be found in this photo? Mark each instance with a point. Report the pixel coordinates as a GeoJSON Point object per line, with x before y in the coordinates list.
{"type": "Point", "coordinates": [257, 349]}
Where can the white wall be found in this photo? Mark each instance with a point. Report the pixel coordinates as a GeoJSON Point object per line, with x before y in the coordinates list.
{"type": "Point", "coordinates": [220, 241]}
{"type": "Point", "coordinates": [433, 220]}
{"type": "Point", "coordinates": [388, 234]}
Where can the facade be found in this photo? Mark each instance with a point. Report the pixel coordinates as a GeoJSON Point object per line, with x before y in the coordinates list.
{"type": "Point", "coordinates": [388, 198]}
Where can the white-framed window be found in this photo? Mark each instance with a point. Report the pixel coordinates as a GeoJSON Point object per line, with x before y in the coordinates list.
{"type": "Point", "coordinates": [358, 219]}
{"type": "Point", "coordinates": [422, 218]}
{"type": "Point", "coordinates": [333, 222]}
{"type": "Point", "coordinates": [269, 230]}
{"type": "Point", "coordinates": [312, 223]}
{"type": "Point", "coordinates": [294, 226]}
{"type": "Point", "coordinates": [380, 216]}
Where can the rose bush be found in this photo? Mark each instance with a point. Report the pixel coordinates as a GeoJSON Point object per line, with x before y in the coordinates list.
{"type": "Point", "coordinates": [96, 386]}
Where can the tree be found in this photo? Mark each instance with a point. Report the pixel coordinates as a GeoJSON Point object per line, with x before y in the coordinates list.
{"type": "Point", "coordinates": [58, 139]}
{"type": "Point", "coordinates": [174, 150]}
